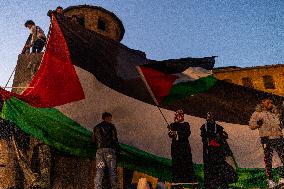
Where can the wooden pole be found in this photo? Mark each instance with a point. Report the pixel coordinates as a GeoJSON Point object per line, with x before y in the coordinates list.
{"type": "Point", "coordinates": [17, 87]}
{"type": "Point", "coordinates": [151, 92]}
{"type": "Point", "coordinates": [10, 77]}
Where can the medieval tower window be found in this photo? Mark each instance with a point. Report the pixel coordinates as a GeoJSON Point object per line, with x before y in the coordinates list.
{"type": "Point", "coordinates": [268, 82]}
{"type": "Point", "coordinates": [247, 82]}
{"type": "Point", "coordinates": [81, 20]}
{"type": "Point", "coordinates": [78, 19]}
{"type": "Point", "coordinates": [98, 20]}
{"type": "Point", "coordinates": [101, 24]}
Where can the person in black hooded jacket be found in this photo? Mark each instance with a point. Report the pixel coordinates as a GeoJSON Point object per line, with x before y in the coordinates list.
{"type": "Point", "coordinates": [217, 172]}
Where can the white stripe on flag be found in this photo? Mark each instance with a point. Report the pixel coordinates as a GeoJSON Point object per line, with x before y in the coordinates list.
{"type": "Point", "coordinates": [141, 125]}
{"type": "Point", "coordinates": [191, 74]}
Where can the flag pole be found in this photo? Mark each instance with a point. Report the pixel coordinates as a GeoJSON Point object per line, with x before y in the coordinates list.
{"type": "Point", "coordinates": [151, 92]}
{"type": "Point", "coordinates": [163, 115]}
{"type": "Point", "coordinates": [17, 87]}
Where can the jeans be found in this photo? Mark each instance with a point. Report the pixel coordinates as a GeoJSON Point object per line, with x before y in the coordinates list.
{"type": "Point", "coordinates": [105, 159]}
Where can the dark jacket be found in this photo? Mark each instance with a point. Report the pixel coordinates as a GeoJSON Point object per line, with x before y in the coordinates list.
{"type": "Point", "coordinates": [179, 132]}
{"type": "Point", "coordinates": [217, 171]}
{"type": "Point", "coordinates": [182, 165]}
{"type": "Point", "coordinates": [105, 136]}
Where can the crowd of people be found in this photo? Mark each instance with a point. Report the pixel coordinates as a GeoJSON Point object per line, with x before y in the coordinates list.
{"type": "Point", "coordinates": [218, 171]}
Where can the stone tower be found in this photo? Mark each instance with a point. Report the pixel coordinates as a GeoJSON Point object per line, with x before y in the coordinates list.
{"type": "Point", "coordinates": [97, 19]}
{"type": "Point", "coordinates": [93, 18]}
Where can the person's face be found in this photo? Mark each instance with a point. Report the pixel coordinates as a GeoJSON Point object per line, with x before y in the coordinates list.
{"type": "Point", "coordinates": [180, 118]}
{"type": "Point", "coordinates": [210, 118]}
{"type": "Point", "coordinates": [29, 26]}
{"type": "Point", "coordinates": [108, 119]}
{"type": "Point", "coordinates": [59, 10]}
{"type": "Point", "coordinates": [267, 104]}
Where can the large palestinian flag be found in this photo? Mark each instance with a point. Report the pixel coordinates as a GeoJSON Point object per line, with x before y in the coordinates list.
{"type": "Point", "coordinates": [83, 74]}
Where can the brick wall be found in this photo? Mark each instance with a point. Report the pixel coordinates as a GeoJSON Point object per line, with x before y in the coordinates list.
{"type": "Point", "coordinates": [256, 75]}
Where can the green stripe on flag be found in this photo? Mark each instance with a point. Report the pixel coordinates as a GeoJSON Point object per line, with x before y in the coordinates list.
{"type": "Point", "coordinates": [49, 126]}
{"type": "Point", "coordinates": [184, 89]}
{"type": "Point", "coordinates": [65, 135]}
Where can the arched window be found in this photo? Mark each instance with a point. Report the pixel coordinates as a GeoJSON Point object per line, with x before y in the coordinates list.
{"type": "Point", "coordinates": [247, 82]}
{"type": "Point", "coordinates": [101, 24]}
{"type": "Point", "coordinates": [268, 82]}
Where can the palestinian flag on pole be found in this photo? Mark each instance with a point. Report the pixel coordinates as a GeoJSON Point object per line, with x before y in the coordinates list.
{"type": "Point", "coordinates": [61, 107]}
{"type": "Point", "coordinates": [170, 82]}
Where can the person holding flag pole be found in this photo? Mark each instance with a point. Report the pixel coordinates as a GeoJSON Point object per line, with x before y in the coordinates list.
{"type": "Point", "coordinates": [182, 165]}
{"type": "Point", "coordinates": [179, 131]}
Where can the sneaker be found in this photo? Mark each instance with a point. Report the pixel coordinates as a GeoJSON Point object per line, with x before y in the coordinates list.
{"type": "Point", "coordinates": [271, 184]}
{"type": "Point", "coordinates": [281, 181]}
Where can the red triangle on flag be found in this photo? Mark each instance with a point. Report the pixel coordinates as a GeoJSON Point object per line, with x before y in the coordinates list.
{"type": "Point", "coordinates": [160, 83]}
{"type": "Point", "coordinates": [56, 81]}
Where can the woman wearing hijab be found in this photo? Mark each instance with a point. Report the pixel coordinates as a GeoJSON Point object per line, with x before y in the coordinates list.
{"type": "Point", "coordinates": [182, 166]}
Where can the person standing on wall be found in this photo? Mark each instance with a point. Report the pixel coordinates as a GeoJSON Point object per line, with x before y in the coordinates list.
{"type": "Point", "coordinates": [37, 38]}
{"type": "Point", "coordinates": [105, 138]}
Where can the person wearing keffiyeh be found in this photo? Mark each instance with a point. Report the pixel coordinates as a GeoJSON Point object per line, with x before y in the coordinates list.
{"type": "Point", "coordinates": [182, 166]}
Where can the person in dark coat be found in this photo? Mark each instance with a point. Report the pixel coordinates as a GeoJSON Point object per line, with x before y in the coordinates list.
{"type": "Point", "coordinates": [105, 138]}
{"type": "Point", "coordinates": [182, 166]}
{"type": "Point", "coordinates": [217, 172]}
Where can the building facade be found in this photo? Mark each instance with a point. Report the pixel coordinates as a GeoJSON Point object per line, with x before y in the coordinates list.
{"type": "Point", "coordinates": [265, 78]}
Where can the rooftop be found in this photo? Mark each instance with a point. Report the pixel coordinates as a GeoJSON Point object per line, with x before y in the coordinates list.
{"type": "Point", "coordinates": [236, 68]}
